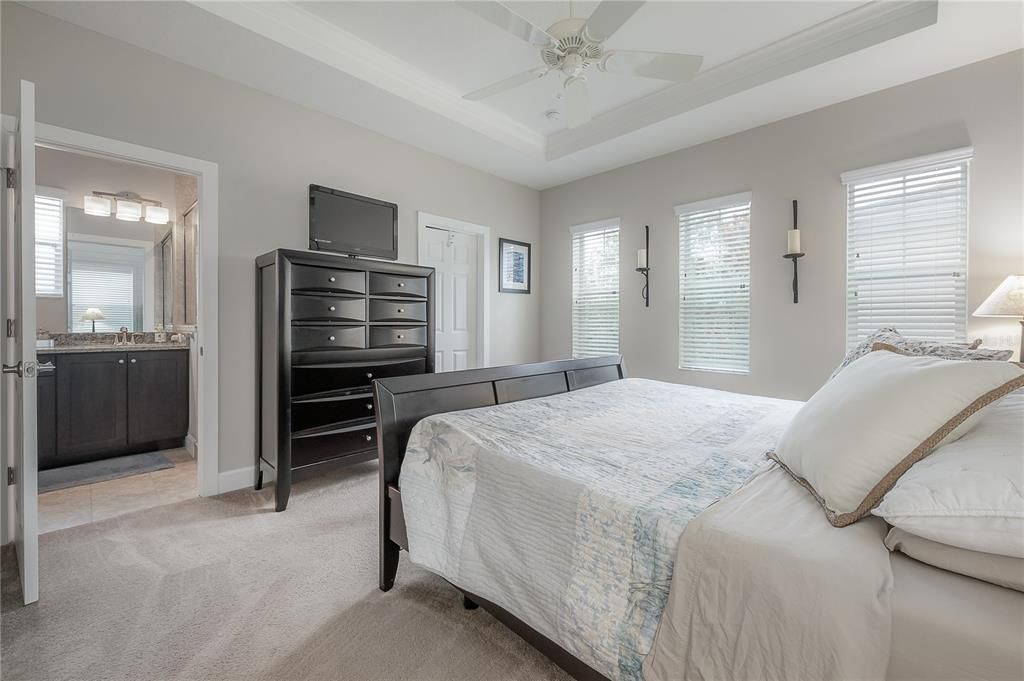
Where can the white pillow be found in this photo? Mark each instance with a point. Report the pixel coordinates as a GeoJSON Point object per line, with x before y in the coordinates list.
{"type": "Point", "coordinates": [969, 493]}
{"type": "Point", "coordinates": [862, 430]}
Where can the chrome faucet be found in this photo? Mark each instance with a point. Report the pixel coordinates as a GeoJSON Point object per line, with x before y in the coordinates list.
{"type": "Point", "coordinates": [122, 336]}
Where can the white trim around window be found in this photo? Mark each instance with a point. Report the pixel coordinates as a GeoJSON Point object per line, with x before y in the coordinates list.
{"type": "Point", "coordinates": [906, 234]}
{"type": "Point", "coordinates": [595, 288]}
{"type": "Point", "coordinates": [714, 284]}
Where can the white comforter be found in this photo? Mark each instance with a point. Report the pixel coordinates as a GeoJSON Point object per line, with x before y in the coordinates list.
{"type": "Point", "coordinates": [765, 589]}
{"type": "Point", "coordinates": [567, 510]}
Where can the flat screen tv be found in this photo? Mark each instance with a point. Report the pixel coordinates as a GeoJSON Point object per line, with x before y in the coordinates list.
{"type": "Point", "coordinates": [352, 224]}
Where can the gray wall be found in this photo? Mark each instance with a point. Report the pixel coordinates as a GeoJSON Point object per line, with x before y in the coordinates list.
{"type": "Point", "coordinates": [268, 151]}
{"type": "Point", "coordinates": [795, 347]}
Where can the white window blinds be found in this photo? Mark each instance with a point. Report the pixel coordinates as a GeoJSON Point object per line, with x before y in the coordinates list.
{"type": "Point", "coordinates": [906, 233]}
{"type": "Point", "coordinates": [108, 277]}
{"type": "Point", "coordinates": [714, 284]}
{"type": "Point", "coordinates": [595, 289]}
{"type": "Point", "coordinates": [49, 212]}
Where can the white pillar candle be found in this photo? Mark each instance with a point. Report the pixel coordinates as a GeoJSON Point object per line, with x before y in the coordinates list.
{"type": "Point", "coordinates": [793, 241]}
{"type": "Point", "coordinates": [641, 259]}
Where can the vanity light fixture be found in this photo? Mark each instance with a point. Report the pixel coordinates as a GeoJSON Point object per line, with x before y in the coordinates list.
{"type": "Point", "coordinates": [129, 211]}
{"type": "Point", "coordinates": [157, 215]}
{"type": "Point", "coordinates": [643, 266]}
{"type": "Point", "coordinates": [96, 205]}
{"type": "Point", "coordinates": [794, 253]}
{"type": "Point", "coordinates": [127, 206]}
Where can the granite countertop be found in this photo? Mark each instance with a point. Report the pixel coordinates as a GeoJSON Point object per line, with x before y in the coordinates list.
{"type": "Point", "coordinates": [138, 347]}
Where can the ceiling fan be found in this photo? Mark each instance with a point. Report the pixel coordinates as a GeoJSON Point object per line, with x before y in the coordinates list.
{"type": "Point", "coordinates": [572, 46]}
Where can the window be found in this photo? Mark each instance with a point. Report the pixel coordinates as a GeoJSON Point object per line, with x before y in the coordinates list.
{"type": "Point", "coordinates": [49, 246]}
{"type": "Point", "coordinates": [108, 277]}
{"type": "Point", "coordinates": [906, 256]}
{"type": "Point", "coordinates": [595, 289]}
{"type": "Point", "coordinates": [714, 284]}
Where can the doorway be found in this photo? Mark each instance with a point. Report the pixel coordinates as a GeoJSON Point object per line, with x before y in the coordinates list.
{"type": "Point", "coordinates": [459, 252]}
{"type": "Point", "coordinates": [205, 341]}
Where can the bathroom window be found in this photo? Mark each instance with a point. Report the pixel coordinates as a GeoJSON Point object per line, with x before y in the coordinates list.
{"type": "Point", "coordinates": [109, 277]}
{"type": "Point", "coordinates": [49, 213]}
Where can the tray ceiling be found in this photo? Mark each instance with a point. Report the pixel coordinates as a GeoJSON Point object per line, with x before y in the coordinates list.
{"type": "Point", "coordinates": [401, 68]}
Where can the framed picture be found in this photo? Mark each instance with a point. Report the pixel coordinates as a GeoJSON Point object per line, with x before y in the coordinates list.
{"type": "Point", "coordinates": [513, 266]}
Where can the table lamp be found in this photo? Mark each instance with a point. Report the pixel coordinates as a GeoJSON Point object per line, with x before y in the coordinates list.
{"type": "Point", "coordinates": [1006, 301]}
{"type": "Point", "coordinates": [91, 315]}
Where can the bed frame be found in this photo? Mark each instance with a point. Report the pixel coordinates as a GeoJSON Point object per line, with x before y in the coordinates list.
{"type": "Point", "coordinates": [404, 401]}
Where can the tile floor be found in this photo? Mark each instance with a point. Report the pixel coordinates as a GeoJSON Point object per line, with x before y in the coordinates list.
{"type": "Point", "coordinates": [101, 500]}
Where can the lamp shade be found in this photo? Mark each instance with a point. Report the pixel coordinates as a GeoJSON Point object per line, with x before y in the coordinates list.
{"type": "Point", "coordinates": [157, 215]}
{"type": "Point", "coordinates": [96, 205]}
{"type": "Point", "coordinates": [1006, 301]}
{"type": "Point", "coordinates": [92, 314]}
{"type": "Point", "coordinates": [130, 211]}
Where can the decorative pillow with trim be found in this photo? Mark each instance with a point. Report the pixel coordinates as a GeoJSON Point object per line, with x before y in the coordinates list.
{"type": "Point", "coordinates": [891, 336]}
{"type": "Point", "coordinates": [861, 431]}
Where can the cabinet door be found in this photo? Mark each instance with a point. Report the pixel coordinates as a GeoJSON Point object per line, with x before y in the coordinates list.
{"type": "Point", "coordinates": [92, 402]}
{"type": "Point", "coordinates": [46, 396]}
{"type": "Point", "coordinates": [157, 396]}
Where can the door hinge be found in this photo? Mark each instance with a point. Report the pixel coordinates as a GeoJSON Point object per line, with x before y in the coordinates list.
{"type": "Point", "coordinates": [10, 475]}
{"type": "Point", "coordinates": [11, 177]}
{"type": "Point", "coordinates": [11, 328]}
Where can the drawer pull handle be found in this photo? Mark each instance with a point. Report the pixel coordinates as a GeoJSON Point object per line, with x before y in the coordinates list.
{"type": "Point", "coordinates": [401, 336]}
{"type": "Point", "coordinates": [330, 338]}
{"type": "Point", "coordinates": [401, 284]}
{"type": "Point", "coordinates": [331, 279]}
{"type": "Point", "coordinates": [400, 310]}
{"type": "Point", "coordinates": [369, 405]}
{"type": "Point", "coordinates": [332, 308]}
{"type": "Point", "coordinates": [369, 438]}
{"type": "Point", "coordinates": [134, 360]}
{"type": "Point", "coordinates": [369, 374]}
{"type": "Point", "coordinates": [120, 361]}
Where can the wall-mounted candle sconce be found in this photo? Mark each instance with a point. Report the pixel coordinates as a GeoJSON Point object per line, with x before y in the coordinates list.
{"type": "Point", "coordinates": [643, 267]}
{"type": "Point", "coordinates": [794, 253]}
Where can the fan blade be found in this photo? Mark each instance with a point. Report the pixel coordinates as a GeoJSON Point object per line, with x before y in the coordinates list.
{"type": "Point", "coordinates": [507, 84]}
{"type": "Point", "coordinates": [659, 65]}
{"type": "Point", "coordinates": [577, 102]}
{"type": "Point", "coordinates": [609, 17]}
{"type": "Point", "coordinates": [506, 19]}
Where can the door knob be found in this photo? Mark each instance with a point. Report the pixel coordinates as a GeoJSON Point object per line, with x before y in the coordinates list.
{"type": "Point", "coordinates": [18, 368]}
{"type": "Point", "coordinates": [120, 361]}
{"type": "Point", "coordinates": [369, 438]}
{"type": "Point", "coordinates": [369, 375]}
{"type": "Point", "coordinates": [330, 338]}
{"type": "Point", "coordinates": [401, 284]}
{"type": "Point", "coordinates": [369, 405]}
{"type": "Point", "coordinates": [401, 336]}
{"type": "Point", "coordinates": [332, 308]}
{"type": "Point", "coordinates": [400, 310]}
{"type": "Point", "coordinates": [133, 360]}
{"type": "Point", "coordinates": [331, 279]}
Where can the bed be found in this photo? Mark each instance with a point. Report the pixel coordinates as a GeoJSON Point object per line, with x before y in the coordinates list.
{"type": "Point", "coordinates": [569, 532]}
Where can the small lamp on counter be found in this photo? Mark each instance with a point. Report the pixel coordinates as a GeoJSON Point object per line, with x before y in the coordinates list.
{"type": "Point", "coordinates": [1006, 301]}
{"type": "Point", "coordinates": [643, 266]}
{"type": "Point", "coordinates": [794, 253]}
{"type": "Point", "coordinates": [91, 315]}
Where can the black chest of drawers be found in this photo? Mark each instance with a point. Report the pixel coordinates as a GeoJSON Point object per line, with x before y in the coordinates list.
{"type": "Point", "coordinates": [326, 327]}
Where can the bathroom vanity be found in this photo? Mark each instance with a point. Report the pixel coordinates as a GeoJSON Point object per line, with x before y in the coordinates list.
{"type": "Point", "coordinates": [97, 402]}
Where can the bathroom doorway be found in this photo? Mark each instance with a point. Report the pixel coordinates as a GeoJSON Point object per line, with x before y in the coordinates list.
{"type": "Point", "coordinates": [117, 291]}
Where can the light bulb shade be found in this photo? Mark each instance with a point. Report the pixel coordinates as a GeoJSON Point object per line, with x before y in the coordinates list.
{"type": "Point", "coordinates": [1006, 301]}
{"type": "Point", "coordinates": [96, 205]}
{"type": "Point", "coordinates": [92, 314]}
{"type": "Point", "coordinates": [157, 215]}
{"type": "Point", "coordinates": [130, 211]}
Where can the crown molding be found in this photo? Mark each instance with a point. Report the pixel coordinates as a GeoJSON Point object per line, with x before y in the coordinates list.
{"type": "Point", "coordinates": [862, 27]}
{"type": "Point", "coordinates": [298, 29]}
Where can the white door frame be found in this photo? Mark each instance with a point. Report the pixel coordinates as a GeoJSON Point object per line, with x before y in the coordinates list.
{"type": "Point", "coordinates": [483, 234]}
{"type": "Point", "coordinates": [206, 172]}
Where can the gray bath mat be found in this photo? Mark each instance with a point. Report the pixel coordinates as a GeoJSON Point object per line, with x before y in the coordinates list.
{"type": "Point", "coordinates": [105, 469]}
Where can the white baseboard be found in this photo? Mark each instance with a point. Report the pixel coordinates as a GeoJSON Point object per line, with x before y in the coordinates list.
{"type": "Point", "coordinates": [240, 478]}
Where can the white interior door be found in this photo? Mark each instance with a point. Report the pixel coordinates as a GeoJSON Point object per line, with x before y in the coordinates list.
{"type": "Point", "coordinates": [19, 370]}
{"type": "Point", "coordinates": [454, 257]}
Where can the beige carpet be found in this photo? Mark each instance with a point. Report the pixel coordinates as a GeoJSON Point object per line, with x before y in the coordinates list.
{"type": "Point", "coordinates": [224, 588]}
